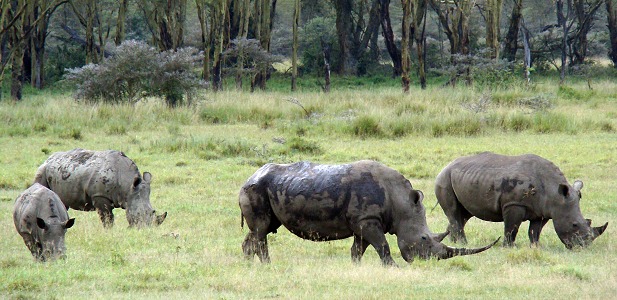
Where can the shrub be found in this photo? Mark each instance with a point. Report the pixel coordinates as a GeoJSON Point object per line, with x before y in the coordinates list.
{"type": "Point", "coordinates": [366, 126]}
{"type": "Point", "coordinates": [137, 70]}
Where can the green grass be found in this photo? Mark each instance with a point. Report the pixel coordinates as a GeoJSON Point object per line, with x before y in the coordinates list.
{"type": "Point", "coordinates": [200, 156]}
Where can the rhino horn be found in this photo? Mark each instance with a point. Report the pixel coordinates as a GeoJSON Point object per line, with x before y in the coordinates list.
{"type": "Point", "coordinates": [452, 252]}
{"type": "Point", "coordinates": [597, 231]}
{"type": "Point", "coordinates": [440, 236]}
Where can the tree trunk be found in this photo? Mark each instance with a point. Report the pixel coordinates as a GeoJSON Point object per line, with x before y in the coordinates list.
{"type": "Point", "coordinates": [205, 41]}
{"type": "Point", "coordinates": [294, 55]}
{"type": "Point", "coordinates": [584, 16]}
{"type": "Point", "coordinates": [344, 29]}
{"type": "Point", "coordinates": [220, 12]}
{"type": "Point", "coordinates": [511, 41]}
{"type": "Point", "coordinates": [120, 31]}
{"type": "Point", "coordinates": [419, 23]}
{"type": "Point", "coordinates": [611, 15]}
{"type": "Point", "coordinates": [166, 22]}
{"type": "Point", "coordinates": [388, 35]}
{"type": "Point", "coordinates": [493, 14]}
{"type": "Point", "coordinates": [405, 57]}
{"type": "Point", "coordinates": [325, 48]}
{"type": "Point", "coordinates": [563, 19]}
{"type": "Point", "coordinates": [527, 50]}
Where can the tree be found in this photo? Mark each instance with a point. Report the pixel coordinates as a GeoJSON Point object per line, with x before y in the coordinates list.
{"type": "Point", "coordinates": [611, 15]}
{"type": "Point", "coordinates": [511, 40]}
{"type": "Point", "coordinates": [405, 57]}
{"type": "Point", "coordinates": [585, 11]}
{"type": "Point", "coordinates": [294, 55]}
{"type": "Point", "coordinates": [120, 21]}
{"type": "Point", "coordinates": [165, 20]}
{"type": "Point", "coordinates": [562, 20]}
{"type": "Point", "coordinates": [454, 19]}
{"type": "Point", "coordinates": [219, 15]}
{"type": "Point", "coordinates": [263, 23]}
{"type": "Point", "coordinates": [493, 14]}
{"type": "Point", "coordinates": [388, 35]}
{"type": "Point", "coordinates": [205, 9]}
{"type": "Point", "coordinates": [42, 11]}
{"type": "Point", "coordinates": [418, 25]}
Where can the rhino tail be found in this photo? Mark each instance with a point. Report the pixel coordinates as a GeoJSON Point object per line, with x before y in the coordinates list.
{"type": "Point", "coordinates": [241, 220]}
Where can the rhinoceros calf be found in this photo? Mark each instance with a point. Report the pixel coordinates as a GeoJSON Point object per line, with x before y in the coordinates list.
{"type": "Point", "coordinates": [41, 220]}
{"type": "Point", "coordinates": [363, 199]}
{"type": "Point", "coordinates": [100, 180]}
{"type": "Point", "coordinates": [513, 189]}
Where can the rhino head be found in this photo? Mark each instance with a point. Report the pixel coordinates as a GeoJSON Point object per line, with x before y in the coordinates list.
{"type": "Point", "coordinates": [572, 229]}
{"type": "Point", "coordinates": [139, 211]}
{"type": "Point", "coordinates": [50, 243]}
{"type": "Point", "coordinates": [416, 240]}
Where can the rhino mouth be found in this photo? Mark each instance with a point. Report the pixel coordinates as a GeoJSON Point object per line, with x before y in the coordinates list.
{"type": "Point", "coordinates": [584, 240]}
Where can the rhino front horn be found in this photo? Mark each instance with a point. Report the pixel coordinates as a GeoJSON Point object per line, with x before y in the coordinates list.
{"type": "Point", "coordinates": [597, 231]}
{"type": "Point", "coordinates": [440, 236]}
{"type": "Point", "coordinates": [452, 252]}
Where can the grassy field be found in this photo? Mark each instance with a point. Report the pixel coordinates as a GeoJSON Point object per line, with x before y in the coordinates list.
{"type": "Point", "coordinates": [200, 156]}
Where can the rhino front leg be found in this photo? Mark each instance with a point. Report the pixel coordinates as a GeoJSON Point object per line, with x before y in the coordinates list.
{"type": "Point", "coordinates": [372, 232]}
{"type": "Point", "coordinates": [512, 217]}
{"type": "Point", "coordinates": [104, 209]}
{"type": "Point", "coordinates": [535, 227]}
{"type": "Point", "coordinates": [358, 248]}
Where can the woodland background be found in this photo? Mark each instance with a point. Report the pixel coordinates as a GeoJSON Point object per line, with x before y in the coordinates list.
{"type": "Point", "coordinates": [236, 41]}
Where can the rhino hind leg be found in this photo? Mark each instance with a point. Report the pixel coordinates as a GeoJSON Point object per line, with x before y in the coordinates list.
{"type": "Point", "coordinates": [372, 232]}
{"type": "Point", "coordinates": [253, 245]}
{"type": "Point", "coordinates": [358, 248]}
{"type": "Point", "coordinates": [454, 210]}
{"type": "Point", "coordinates": [535, 227]}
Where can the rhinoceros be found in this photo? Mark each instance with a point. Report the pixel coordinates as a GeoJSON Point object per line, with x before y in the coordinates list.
{"type": "Point", "coordinates": [364, 199]}
{"type": "Point", "coordinates": [41, 220]}
{"type": "Point", "coordinates": [100, 180]}
{"type": "Point", "coordinates": [513, 189]}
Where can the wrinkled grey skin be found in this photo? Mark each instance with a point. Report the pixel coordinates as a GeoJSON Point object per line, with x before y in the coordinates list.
{"type": "Point", "coordinates": [513, 189]}
{"type": "Point", "coordinates": [41, 220]}
{"type": "Point", "coordinates": [364, 199]}
{"type": "Point", "coordinates": [100, 180]}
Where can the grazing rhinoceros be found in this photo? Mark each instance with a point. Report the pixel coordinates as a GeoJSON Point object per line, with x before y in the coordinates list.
{"type": "Point", "coordinates": [513, 189]}
{"type": "Point", "coordinates": [100, 180]}
{"type": "Point", "coordinates": [41, 220]}
{"type": "Point", "coordinates": [363, 199]}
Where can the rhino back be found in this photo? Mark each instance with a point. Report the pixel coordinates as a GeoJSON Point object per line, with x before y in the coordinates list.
{"type": "Point", "coordinates": [79, 175]}
{"type": "Point", "coordinates": [487, 182]}
{"type": "Point", "coordinates": [319, 202]}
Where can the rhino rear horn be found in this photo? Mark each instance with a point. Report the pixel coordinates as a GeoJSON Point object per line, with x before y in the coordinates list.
{"type": "Point", "coordinates": [452, 252]}
{"type": "Point", "coordinates": [597, 231]}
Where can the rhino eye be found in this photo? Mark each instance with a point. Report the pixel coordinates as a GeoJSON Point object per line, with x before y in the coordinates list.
{"type": "Point", "coordinates": [575, 225]}
{"type": "Point", "coordinates": [424, 238]}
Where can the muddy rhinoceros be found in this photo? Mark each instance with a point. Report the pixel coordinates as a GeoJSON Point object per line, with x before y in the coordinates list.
{"type": "Point", "coordinates": [513, 189]}
{"type": "Point", "coordinates": [41, 220]}
{"type": "Point", "coordinates": [364, 199]}
{"type": "Point", "coordinates": [100, 180]}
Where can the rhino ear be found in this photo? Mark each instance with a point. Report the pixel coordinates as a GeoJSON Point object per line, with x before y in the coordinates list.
{"type": "Point", "coordinates": [69, 223]}
{"type": "Point", "coordinates": [578, 185]}
{"type": "Point", "coordinates": [416, 196]}
{"type": "Point", "coordinates": [41, 223]}
{"type": "Point", "coordinates": [147, 176]}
